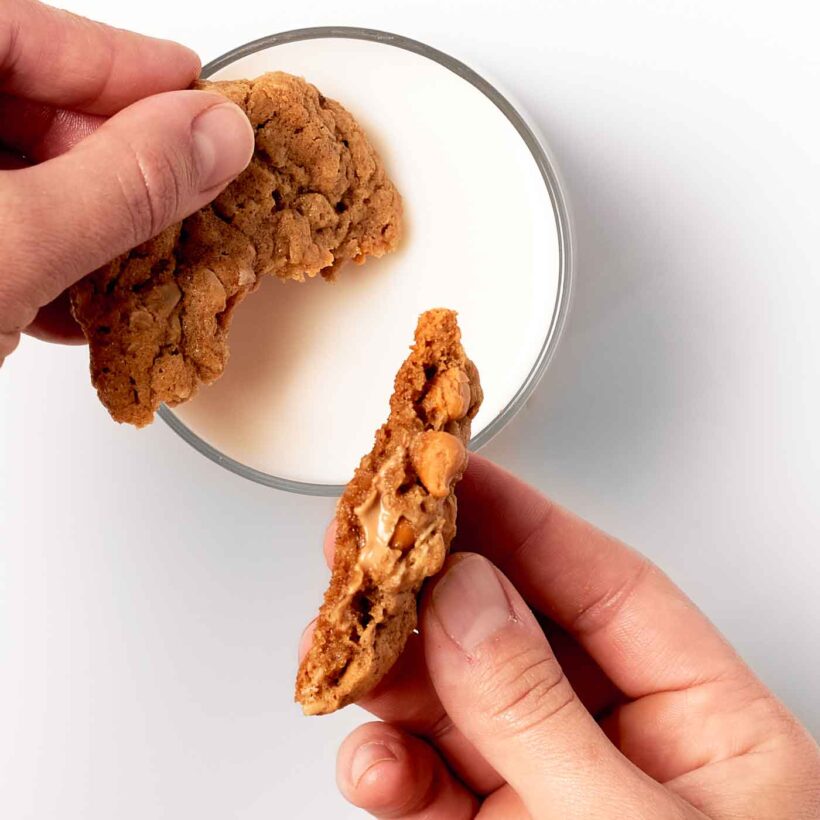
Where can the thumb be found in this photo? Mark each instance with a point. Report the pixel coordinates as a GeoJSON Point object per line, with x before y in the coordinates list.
{"type": "Point", "coordinates": [503, 688]}
{"type": "Point", "coordinates": [147, 167]}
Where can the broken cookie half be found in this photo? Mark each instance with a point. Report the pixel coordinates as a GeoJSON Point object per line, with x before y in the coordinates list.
{"type": "Point", "coordinates": [314, 196]}
{"type": "Point", "coordinates": [395, 520]}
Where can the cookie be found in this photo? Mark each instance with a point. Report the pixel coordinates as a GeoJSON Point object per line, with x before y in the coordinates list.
{"type": "Point", "coordinates": [395, 520]}
{"type": "Point", "coordinates": [314, 196]}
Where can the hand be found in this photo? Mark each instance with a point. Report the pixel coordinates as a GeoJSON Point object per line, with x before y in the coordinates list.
{"type": "Point", "coordinates": [569, 678]}
{"type": "Point", "coordinates": [91, 164]}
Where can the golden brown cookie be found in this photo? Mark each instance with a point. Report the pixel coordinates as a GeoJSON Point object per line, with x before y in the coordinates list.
{"type": "Point", "coordinates": [314, 196]}
{"type": "Point", "coordinates": [395, 520]}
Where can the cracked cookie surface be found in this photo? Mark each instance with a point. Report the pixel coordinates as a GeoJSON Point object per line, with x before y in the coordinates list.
{"type": "Point", "coordinates": [314, 196]}
{"type": "Point", "coordinates": [395, 520]}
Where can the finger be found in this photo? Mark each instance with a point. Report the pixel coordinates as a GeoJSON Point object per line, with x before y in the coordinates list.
{"type": "Point", "coordinates": [144, 169]}
{"type": "Point", "coordinates": [594, 689]}
{"type": "Point", "coordinates": [406, 697]}
{"type": "Point", "coordinates": [61, 59]}
{"type": "Point", "coordinates": [55, 323]}
{"type": "Point", "coordinates": [306, 638]}
{"type": "Point", "coordinates": [392, 774]}
{"type": "Point", "coordinates": [504, 804]}
{"type": "Point", "coordinates": [633, 621]}
{"type": "Point", "coordinates": [499, 681]}
{"type": "Point", "coordinates": [8, 344]}
{"type": "Point", "coordinates": [643, 632]}
{"type": "Point", "coordinates": [656, 732]}
{"type": "Point", "coordinates": [41, 131]}
{"type": "Point", "coordinates": [329, 543]}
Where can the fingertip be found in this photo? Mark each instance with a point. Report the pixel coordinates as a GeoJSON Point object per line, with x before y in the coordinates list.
{"type": "Point", "coordinates": [329, 542]}
{"type": "Point", "coordinates": [496, 510]}
{"type": "Point", "coordinates": [8, 344]}
{"type": "Point", "coordinates": [306, 638]}
{"type": "Point", "coordinates": [389, 773]}
{"type": "Point", "coordinates": [479, 469]}
{"type": "Point", "coordinates": [193, 60]}
{"type": "Point", "coordinates": [372, 767]}
{"type": "Point", "coordinates": [178, 61]}
{"type": "Point", "coordinates": [486, 478]}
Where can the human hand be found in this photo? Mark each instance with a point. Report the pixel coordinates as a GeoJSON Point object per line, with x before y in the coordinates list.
{"type": "Point", "coordinates": [580, 683]}
{"type": "Point", "coordinates": [98, 153]}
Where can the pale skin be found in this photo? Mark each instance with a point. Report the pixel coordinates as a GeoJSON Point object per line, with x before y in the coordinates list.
{"type": "Point", "coordinates": [556, 673]}
{"type": "Point", "coordinates": [100, 149]}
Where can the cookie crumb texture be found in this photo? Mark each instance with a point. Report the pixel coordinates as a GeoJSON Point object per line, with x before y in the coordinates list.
{"type": "Point", "coordinates": [395, 520]}
{"type": "Point", "coordinates": [314, 196]}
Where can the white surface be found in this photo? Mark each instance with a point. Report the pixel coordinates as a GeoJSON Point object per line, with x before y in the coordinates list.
{"type": "Point", "coordinates": [484, 244]}
{"type": "Point", "coordinates": [151, 602]}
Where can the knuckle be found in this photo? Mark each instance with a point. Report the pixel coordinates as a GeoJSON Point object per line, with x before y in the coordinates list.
{"type": "Point", "coordinates": [525, 691]}
{"type": "Point", "coordinates": [440, 727]}
{"type": "Point", "coordinates": [151, 185]}
{"type": "Point", "coordinates": [765, 715]}
{"type": "Point", "coordinates": [10, 36]}
{"type": "Point", "coordinates": [27, 274]}
{"type": "Point", "coordinates": [8, 344]}
{"type": "Point", "coordinates": [602, 610]}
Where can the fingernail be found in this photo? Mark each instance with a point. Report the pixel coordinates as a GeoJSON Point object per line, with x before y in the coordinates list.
{"type": "Point", "coordinates": [470, 602]}
{"type": "Point", "coordinates": [223, 144]}
{"type": "Point", "coordinates": [366, 757]}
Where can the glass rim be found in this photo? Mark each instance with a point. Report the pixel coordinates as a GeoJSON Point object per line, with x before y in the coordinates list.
{"type": "Point", "coordinates": [560, 209]}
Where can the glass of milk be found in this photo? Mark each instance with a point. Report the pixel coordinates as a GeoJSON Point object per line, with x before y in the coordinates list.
{"type": "Point", "coordinates": [487, 233]}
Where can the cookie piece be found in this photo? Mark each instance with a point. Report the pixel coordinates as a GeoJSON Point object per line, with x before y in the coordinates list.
{"type": "Point", "coordinates": [314, 196]}
{"type": "Point", "coordinates": [395, 520]}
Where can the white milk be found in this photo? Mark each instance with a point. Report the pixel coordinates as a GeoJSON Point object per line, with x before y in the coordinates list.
{"type": "Point", "coordinates": [312, 364]}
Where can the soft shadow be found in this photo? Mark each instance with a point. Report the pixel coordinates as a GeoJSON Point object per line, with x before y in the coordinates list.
{"type": "Point", "coordinates": [609, 396]}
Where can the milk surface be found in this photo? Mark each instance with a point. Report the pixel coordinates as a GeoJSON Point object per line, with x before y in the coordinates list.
{"type": "Point", "coordinates": [312, 364]}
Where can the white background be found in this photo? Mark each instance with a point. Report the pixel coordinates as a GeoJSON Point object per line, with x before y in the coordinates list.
{"type": "Point", "coordinates": [150, 602]}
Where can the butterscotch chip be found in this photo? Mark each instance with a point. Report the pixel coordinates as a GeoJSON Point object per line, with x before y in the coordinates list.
{"type": "Point", "coordinates": [438, 459]}
{"type": "Point", "coordinates": [314, 196]}
{"type": "Point", "coordinates": [395, 522]}
{"type": "Point", "coordinates": [449, 395]}
{"type": "Point", "coordinates": [404, 536]}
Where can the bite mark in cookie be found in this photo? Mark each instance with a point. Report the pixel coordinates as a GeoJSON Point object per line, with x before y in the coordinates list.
{"type": "Point", "coordinates": [314, 196]}
{"type": "Point", "coordinates": [395, 520]}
